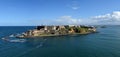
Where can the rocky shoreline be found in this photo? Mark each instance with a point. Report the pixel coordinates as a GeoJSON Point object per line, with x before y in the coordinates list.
{"type": "Point", "coordinates": [43, 31]}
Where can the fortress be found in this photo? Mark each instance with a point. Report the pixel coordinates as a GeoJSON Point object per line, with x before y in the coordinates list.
{"type": "Point", "coordinates": [58, 30]}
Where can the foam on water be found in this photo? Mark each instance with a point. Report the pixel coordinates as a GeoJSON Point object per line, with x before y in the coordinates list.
{"type": "Point", "coordinates": [106, 43]}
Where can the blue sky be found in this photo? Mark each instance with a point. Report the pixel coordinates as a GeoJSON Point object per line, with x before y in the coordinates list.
{"type": "Point", "coordinates": [35, 12]}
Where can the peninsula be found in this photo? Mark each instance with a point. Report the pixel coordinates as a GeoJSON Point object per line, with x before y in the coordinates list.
{"type": "Point", "coordinates": [41, 31]}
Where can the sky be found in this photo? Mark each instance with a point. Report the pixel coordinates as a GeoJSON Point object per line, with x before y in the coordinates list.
{"type": "Point", "coordinates": [59, 12]}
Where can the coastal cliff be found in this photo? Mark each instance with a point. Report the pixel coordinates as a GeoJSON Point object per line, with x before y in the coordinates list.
{"type": "Point", "coordinates": [40, 31]}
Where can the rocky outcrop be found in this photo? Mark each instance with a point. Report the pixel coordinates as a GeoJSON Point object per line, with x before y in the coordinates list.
{"type": "Point", "coordinates": [58, 30]}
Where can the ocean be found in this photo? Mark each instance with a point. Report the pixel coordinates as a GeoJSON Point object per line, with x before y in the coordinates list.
{"type": "Point", "coordinates": [106, 43]}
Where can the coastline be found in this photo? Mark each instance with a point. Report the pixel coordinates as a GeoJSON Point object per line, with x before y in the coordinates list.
{"type": "Point", "coordinates": [63, 31]}
{"type": "Point", "coordinates": [48, 31]}
{"type": "Point", "coordinates": [53, 35]}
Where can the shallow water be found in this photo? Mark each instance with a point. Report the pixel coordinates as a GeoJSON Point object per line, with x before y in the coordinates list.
{"type": "Point", "coordinates": [106, 43]}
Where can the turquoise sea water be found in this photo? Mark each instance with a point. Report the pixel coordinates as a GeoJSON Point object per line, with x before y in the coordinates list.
{"type": "Point", "coordinates": [106, 43]}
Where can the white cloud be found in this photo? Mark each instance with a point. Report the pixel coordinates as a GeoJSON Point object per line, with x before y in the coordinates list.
{"type": "Point", "coordinates": [115, 15]}
{"type": "Point", "coordinates": [68, 20]}
{"type": "Point", "coordinates": [106, 19]}
{"type": "Point", "coordinates": [111, 18]}
{"type": "Point", "coordinates": [74, 5]}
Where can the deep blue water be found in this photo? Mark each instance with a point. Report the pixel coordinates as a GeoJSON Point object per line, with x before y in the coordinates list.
{"type": "Point", "coordinates": [106, 43]}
